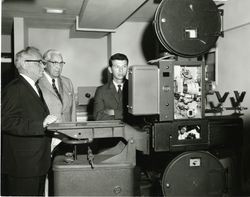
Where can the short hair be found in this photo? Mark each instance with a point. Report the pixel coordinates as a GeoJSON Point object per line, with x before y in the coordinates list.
{"type": "Point", "coordinates": [117, 56]}
{"type": "Point", "coordinates": [26, 54]}
{"type": "Point", "coordinates": [48, 54]}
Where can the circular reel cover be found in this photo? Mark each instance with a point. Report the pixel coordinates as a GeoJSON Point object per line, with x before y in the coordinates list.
{"type": "Point", "coordinates": [187, 28]}
{"type": "Point", "coordinates": [194, 174]}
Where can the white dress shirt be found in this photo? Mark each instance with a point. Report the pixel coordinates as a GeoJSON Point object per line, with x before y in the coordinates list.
{"type": "Point", "coordinates": [50, 80]}
{"type": "Point", "coordinates": [31, 82]}
{"type": "Point", "coordinates": [116, 85]}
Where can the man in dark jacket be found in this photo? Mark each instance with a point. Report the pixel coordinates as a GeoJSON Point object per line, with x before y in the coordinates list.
{"type": "Point", "coordinates": [110, 101]}
{"type": "Point", "coordinates": [25, 116]}
{"type": "Point", "coordinates": [111, 98]}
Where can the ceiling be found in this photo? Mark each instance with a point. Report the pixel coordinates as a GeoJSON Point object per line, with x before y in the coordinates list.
{"type": "Point", "coordinates": [96, 15]}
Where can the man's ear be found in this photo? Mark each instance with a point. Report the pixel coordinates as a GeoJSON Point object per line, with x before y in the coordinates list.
{"type": "Point", "coordinates": [110, 70]}
{"type": "Point", "coordinates": [23, 64]}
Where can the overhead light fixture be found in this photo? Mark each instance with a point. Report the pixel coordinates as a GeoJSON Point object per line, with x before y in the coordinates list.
{"type": "Point", "coordinates": [54, 11]}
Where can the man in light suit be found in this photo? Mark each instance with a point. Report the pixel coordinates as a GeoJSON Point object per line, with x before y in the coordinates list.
{"type": "Point", "coordinates": [25, 116]}
{"type": "Point", "coordinates": [62, 104]}
{"type": "Point", "coordinates": [57, 90]}
{"type": "Point", "coordinates": [110, 99]}
{"type": "Point", "coordinates": [58, 93]}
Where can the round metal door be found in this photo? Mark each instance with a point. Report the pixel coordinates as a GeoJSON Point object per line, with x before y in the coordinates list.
{"type": "Point", "coordinates": [194, 174]}
{"type": "Point", "coordinates": [187, 28]}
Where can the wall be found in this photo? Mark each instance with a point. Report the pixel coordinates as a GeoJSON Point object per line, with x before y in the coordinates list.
{"type": "Point", "coordinates": [20, 34]}
{"type": "Point", "coordinates": [5, 43]}
{"type": "Point", "coordinates": [236, 13]}
{"type": "Point", "coordinates": [233, 64]}
{"type": "Point", "coordinates": [135, 40]}
{"type": "Point", "coordinates": [85, 58]}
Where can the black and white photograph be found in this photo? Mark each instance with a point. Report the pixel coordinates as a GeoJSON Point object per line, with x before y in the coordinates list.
{"type": "Point", "coordinates": [125, 98]}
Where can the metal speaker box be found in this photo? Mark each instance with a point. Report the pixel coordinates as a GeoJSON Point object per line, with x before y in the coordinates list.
{"type": "Point", "coordinates": [105, 179]}
{"type": "Point", "coordinates": [85, 94]}
{"type": "Point", "coordinates": [143, 90]}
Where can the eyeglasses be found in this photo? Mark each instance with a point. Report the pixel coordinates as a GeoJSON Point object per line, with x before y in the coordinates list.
{"type": "Point", "coordinates": [37, 61]}
{"type": "Point", "coordinates": [55, 63]}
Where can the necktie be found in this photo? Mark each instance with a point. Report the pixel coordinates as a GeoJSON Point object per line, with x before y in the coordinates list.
{"type": "Point", "coordinates": [120, 92]}
{"type": "Point", "coordinates": [119, 89]}
{"type": "Point", "coordinates": [39, 92]}
{"type": "Point", "coordinates": [56, 90]}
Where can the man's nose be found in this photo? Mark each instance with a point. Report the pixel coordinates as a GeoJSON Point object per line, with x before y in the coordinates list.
{"type": "Point", "coordinates": [58, 66]}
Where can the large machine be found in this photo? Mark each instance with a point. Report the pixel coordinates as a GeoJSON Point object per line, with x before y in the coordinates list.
{"type": "Point", "coordinates": [189, 148]}
{"type": "Point", "coordinates": [85, 172]}
{"type": "Point", "coordinates": [201, 145]}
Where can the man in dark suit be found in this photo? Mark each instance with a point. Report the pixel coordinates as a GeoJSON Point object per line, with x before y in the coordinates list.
{"type": "Point", "coordinates": [25, 116]}
{"type": "Point", "coordinates": [110, 99]}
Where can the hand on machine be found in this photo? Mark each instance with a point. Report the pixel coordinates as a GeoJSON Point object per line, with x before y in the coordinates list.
{"type": "Point", "coordinates": [49, 119]}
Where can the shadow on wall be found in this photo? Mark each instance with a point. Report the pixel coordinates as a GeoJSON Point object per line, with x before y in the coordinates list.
{"type": "Point", "coordinates": [105, 75]}
{"type": "Point", "coordinates": [149, 43]}
{"type": "Point", "coordinates": [88, 95]}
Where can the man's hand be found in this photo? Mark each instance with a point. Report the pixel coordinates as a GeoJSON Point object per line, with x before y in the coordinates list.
{"type": "Point", "coordinates": [48, 120]}
{"type": "Point", "coordinates": [110, 112]}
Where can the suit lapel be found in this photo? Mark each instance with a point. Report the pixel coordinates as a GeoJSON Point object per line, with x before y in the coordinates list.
{"type": "Point", "coordinates": [33, 93]}
{"type": "Point", "coordinates": [60, 84]}
{"type": "Point", "coordinates": [113, 91]}
{"type": "Point", "coordinates": [45, 82]}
